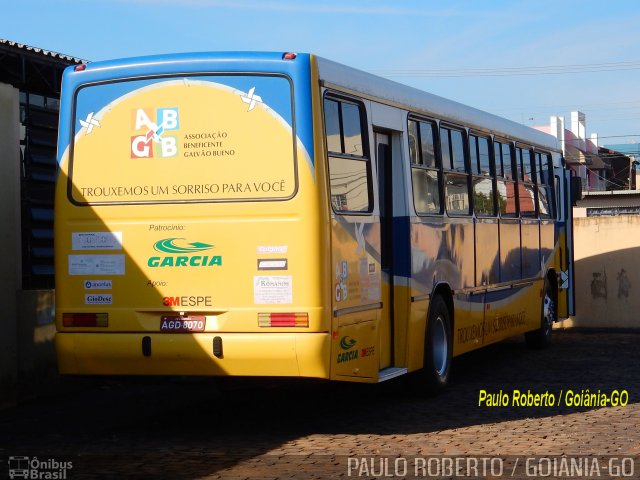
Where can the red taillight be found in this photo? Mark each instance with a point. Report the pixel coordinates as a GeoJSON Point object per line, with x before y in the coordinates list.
{"type": "Point", "coordinates": [283, 319]}
{"type": "Point", "coordinates": [81, 67]}
{"type": "Point", "coordinates": [85, 319]}
{"type": "Point", "coordinates": [289, 56]}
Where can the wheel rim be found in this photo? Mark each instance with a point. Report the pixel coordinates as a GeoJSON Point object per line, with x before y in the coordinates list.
{"type": "Point", "coordinates": [440, 346]}
{"type": "Point", "coordinates": [548, 313]}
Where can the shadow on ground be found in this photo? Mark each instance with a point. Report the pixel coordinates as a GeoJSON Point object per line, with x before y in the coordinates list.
{"type": "Point", "coordinates": [158, 427]}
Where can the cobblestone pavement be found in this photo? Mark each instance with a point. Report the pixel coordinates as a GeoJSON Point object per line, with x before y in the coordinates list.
{"type": "Point", "coordinates": [208, 428]}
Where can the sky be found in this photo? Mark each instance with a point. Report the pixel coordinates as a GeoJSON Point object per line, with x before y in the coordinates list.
{"type": "Point", "coordinates": [523, 60]}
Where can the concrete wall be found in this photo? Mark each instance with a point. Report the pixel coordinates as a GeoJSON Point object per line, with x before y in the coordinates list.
{"type": "Point", "coordinates": [10, 265]}
{"type": "Point", "coordinates": [607, 255]}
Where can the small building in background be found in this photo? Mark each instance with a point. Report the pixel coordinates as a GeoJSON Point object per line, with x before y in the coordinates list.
{"type": "Point", "coordinates": [29, 100]}
{"type": "Point", "coordinates": [601, 168]}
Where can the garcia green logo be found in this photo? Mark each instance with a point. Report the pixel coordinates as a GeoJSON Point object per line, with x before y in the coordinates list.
{"type": "Point", "coordinates": [346, 343]}
{"type": "Point", "coordinates": [177, 246]}
{"type": "Point", "coordinates": [168, 246]}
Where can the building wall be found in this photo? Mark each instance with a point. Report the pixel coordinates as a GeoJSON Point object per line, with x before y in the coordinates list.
{"type": "Point", "coordinates": [27, 330]}
{"type": "Point", "coordinates": [10, 274]}
{"type": "Point", "coordinates": [607, 256]}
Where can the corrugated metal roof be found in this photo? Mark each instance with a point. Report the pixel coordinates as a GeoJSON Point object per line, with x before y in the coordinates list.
{"type": "Point", "coordinates": [40, 51]}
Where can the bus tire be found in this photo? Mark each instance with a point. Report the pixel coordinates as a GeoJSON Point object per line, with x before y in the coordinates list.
{"type": "Point", "coordinates": [541, 337]}
{"type": "Point", "coordinates": [438, 347]}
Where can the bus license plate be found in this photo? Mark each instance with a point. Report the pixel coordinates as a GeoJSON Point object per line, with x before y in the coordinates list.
{"type": "Point", "coordinates": [183, 324]}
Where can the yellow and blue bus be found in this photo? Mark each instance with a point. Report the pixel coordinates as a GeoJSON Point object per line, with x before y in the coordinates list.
{"type": "Point", "coordinates": [270, 214]}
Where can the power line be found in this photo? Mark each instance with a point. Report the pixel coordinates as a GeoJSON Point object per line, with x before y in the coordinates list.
{"type": "Point", "coordinates": [513, 71]}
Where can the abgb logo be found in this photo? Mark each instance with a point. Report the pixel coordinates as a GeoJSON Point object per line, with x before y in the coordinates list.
{"type": "Point", "coordinates": [152, 134]}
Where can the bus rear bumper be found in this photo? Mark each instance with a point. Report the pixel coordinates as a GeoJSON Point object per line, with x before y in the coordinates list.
{"type": "Point", "coordinates": [243, 354]}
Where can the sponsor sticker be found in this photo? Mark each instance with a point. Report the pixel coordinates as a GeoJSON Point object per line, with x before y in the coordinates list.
{"type": "Point", "coordinates": [273, 264]}
{"type": "Point", "coordinates": [97, 285]}
{"type": "Point", "coordinates": [96, 241]}
{"type": "Point", "coordinates": [269, 290]}
{"type": "Point", "coordinates": [272, 249]}
{"type": "Point", "coordinates": [98, 299]}
{"type": "Point", "coordinates": [96, 264]}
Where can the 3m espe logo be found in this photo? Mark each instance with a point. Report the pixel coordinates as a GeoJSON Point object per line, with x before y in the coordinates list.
{"type": "Point", "coordinates": [187, 301]}
{"type": "Point", "coordinates": [166, 119]}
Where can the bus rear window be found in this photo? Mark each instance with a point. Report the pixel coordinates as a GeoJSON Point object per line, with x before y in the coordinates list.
{"type": "Point", "coordinates": [183, 139]}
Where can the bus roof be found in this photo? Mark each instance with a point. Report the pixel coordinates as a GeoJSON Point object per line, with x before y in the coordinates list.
{"type": "Point", "coordinates": [412, 99]}
{"type": "Point", "coordinates": [332, 74]}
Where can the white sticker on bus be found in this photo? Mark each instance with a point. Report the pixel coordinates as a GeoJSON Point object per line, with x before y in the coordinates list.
{"type": "Point", "coordinates": [272, 249]}
{"type": "Point", "coordinates": [96, 264]}
{"type": "Point", "coordinates": [98, 299]}
{"type": "Point", "coordinates": [269, 290]}
{"type": "Point", "coordinates": [96, 240]}
{"type": "Point", "coordinates": [98, 285]}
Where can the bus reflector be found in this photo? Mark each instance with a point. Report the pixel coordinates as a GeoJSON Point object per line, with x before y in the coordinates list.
{"type": "Point", "coordinates": [81, 67]}
{"type": "Point", "coordinates": [85, 319]}
{"type": "Point", "coordinates": [289, 56]}
{"type": "Point", "coordinates": [283, 319]}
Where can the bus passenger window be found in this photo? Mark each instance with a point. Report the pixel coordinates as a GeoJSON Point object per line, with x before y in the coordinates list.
{"type": "Point", "coordinates": [482, 180]}
{"type": "Point", "coordinates": [425, 171]}
{"type": "Point", "coordinates": [427, 145]}
{"type": "Point", "coordinates": [484, 157]}
{"type": "Point", "coordinates": [545, 189]}
{"type": "Point", "coordinates": [348, 165]}
{"type": "Point", "coordinates": [414, 152]}
{"type": "Point", "coordinates": [456, 182]}
{"type": "Point", "coordinates": [526, 187]}
{"type": "Point", "coordinates": [457, 150]}
{"type": "Point", "coordinates": [349, 189]}
{"type": "Point", "coordinates": [506, 187]}
{"type": "Point", "coordinates": [352, 129]}
{"type": "Point", "coordinates": [332, 125]}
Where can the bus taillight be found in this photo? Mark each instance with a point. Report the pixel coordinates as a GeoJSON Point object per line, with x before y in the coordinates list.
{"type": "Point", "coordinates": [85, 319]}
{"type": "Point", "coordinates": [283, 319]}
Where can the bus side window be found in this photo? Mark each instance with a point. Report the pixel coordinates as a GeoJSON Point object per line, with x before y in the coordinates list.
{"type": "Point", "coordinates": [545, 189]}
{"type": "Point", "coordinates": [482, 180]}
{"type": "Point", "coordinates": [526, 187]}
{"type": "Point", "coordinates": [506, 186]}
{"type": "Point", "coordinates": [425, 168]}
{"type": "Point", "coordinates": [349, 169]}
{"type": "Point", "coordinates": [456, 178]}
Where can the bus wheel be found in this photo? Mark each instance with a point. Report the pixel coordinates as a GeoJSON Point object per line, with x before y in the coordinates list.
{"type": "Point", "coordinates": [437, 350]}
{"type": "Point", "coordinates": [542, 337]}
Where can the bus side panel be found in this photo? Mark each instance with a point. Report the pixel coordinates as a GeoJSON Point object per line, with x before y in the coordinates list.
{"type": "Point", "coordinates": [468, 323]}
{"type": "Point", "coordinates": [357, 287]}
{"type": "Point", "coordinates": [487, 252]}
{"type": "Point", "coordinates": [530, 241]}
{"type": "Point", "coordinates": [512, 311]}
{"type": "Point", "coordinates": [510, 254]}
{"type": "Point", "coordinates": [442, 252]}
{"type": "Point", "coordinates": [547, 246]}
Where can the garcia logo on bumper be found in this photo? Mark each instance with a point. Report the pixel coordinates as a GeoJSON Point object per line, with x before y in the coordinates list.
{"type": "Point", "coordinates": [181, 254]}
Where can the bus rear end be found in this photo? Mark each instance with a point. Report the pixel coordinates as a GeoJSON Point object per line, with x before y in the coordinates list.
{"type": "Point", "coordinates": [188, 222]}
